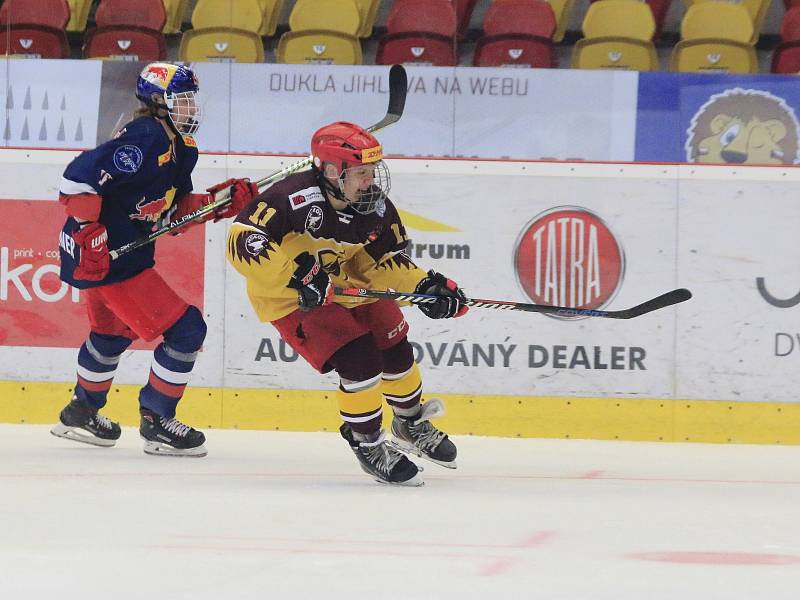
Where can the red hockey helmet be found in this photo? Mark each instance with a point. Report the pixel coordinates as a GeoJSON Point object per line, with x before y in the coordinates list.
{"type": "Point", "coordinates": [347, 146]}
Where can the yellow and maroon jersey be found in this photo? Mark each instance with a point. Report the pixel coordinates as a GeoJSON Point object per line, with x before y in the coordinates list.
{"type": "Point", "coordinates": [293, 217]}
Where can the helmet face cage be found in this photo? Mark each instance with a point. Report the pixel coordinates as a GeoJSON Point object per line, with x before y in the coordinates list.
{"type": "Point", "coordinates": [374, 197]}
{"type": "Point", "coordinates": [184, 111]}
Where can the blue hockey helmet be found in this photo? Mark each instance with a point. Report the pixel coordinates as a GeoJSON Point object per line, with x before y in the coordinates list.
{"type": "Point", "coordinates": [171, 88]}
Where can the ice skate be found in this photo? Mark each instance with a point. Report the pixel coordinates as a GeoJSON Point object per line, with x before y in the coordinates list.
{"type": "Point", "coordinates": [385, 464]}
{"type": "Point", "coordinates": [170, 437]}
{"type": "Point", "coordinates": [80, 422]}
{"type": "Point", "coordinates": [416, 435]}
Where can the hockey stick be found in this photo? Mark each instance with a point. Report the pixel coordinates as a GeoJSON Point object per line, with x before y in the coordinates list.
{"type": "Point", "coordinates": [398, 86]}
{"type": "Point", "coordinates": [662, 301]}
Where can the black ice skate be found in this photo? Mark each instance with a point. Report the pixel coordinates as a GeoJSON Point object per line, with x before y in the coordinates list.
{"type": "Point", "coordinates": [417, 436]}
{"type": "Point", "coordinates": [170, 437]}
{"type": "Point", "coordinates": [82, 423]}
{"type": "Point", "coordinates": [381, 461]}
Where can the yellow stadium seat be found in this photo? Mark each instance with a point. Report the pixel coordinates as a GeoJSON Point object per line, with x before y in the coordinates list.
{"type": "Point", "coordinates": [319, 47]}
{"type": "Point", "coordinates": [757, 9]}
{"type": "Point", "coordinates": [619, 19]}
{"type": "Point", "coordinates": [221, 44]}
{"type": "Point", "coordinates": [78, 15]}
{"type": "Point", "coordinates": [562, 9]}
{"type": "Point", "coordinates": [718, 21]}
{"type": "Point", "coordinates": [244, 15]}
{"type": "Point", "coordinates": [368, 9]}
{"type": "Point", "coordinates": [326, 15]}
{"type": "Point", "coordinates": [271, 10]}
{"type": "Point", "coordinates": [175, 11]}
{"type": "Point", "coordinates": [614, 53]}
{"type": "Point", "coordinates": [714, 56]}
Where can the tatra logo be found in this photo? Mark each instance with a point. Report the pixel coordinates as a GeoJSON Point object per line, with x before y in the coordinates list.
{"type": "Point", "coordinates": [304, 197]}
{"type": "Point", "coordinates": [515, 53]}
{"type": "Point", "coordinates": [221, 46]}
{"type": "Point", "coordinates": [417, 51]}
{"type": "Point", "coordinates": [567, 256]}
{"type": "Point", "coordinates": [318, 49]}
{"type": "Point", "coordinates": [124, 44]}
{"type": "Point", "coordinates": [614, 56]}
{"type": "Point", "coordinates": [713, 58]}
{"type": "Point", "coordinates": [25, 43]}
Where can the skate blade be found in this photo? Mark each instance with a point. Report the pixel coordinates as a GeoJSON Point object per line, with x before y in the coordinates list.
{"type": "Point", "coordinates": [159, 449]}
{"type": "Point", "coordinates": [71, 433]}
{"type": "Point", "coordinates": [410, 449]}
{"type": "Point", "coordinates": [415, 481]}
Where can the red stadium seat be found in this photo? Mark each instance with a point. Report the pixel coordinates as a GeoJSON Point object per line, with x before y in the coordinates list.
{"type": "Point", "coordinates": [520, 17]}
{"type": "Point", "coordinates": [790, 25]}
{"type": "Point", "coordinates": [35, 41]}
{"type": "Point", "coordinates": [786, 58]}
{"type": "Point", "coordinates": [125, 43]}
{"type": "Point", "coordinates": [416, 48]}
{"type": "Point", "coordinates": [46, 13]}
{"type": "Point", "coordinates": [515, 51]}
{"type": "Point", "coordinates": [428, 16]}
{"type": "Point", "coordinates": [149, 14]}
{"type": "Point", "coordinates": [464, 9]}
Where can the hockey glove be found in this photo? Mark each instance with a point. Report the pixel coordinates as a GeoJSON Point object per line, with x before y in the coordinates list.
{"type": "Point", "coordinates": [242, 191]}
{"type": "Point", "coordinates": [311, 282]}
{"type": "Point", "coordinates": [94, 258]}
{"type": "Point", "coordinates": [451, 298]}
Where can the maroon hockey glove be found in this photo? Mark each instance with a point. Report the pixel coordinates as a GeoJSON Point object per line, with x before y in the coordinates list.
{"type": "Point", "coordinates": [311, 282]}
{"type": "Point", "coordinates": [451, 298]}
{"type": "Point", "coordinates": [242, 191]}
{"type": "Point", "coordinates": [93, 243]}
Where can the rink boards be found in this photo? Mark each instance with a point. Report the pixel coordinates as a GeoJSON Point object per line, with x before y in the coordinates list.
{"type": "Point", "coordinates": [721, 367]}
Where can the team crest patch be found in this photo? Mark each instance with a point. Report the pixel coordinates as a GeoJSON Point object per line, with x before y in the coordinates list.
{"type": "Point", "coordinates": [305, 197]}
{"type": "Point", "coordinates": [314, 219]}
{"type": "Point", "coordinates": [128, 159]}
{"type": "Point", "coordinates": [256, 243]}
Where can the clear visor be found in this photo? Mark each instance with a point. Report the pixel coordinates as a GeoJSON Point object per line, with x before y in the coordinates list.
{"type": "Point", "coordinates": [184, 111]}
{"type": "Point", "coordinates": [366, 187]}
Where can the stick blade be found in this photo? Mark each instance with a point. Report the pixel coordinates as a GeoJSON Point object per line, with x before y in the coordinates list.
{"type": "Point", "coordinates": [674, 297]}
{"type": "Point", "coordinates": [398, 87]}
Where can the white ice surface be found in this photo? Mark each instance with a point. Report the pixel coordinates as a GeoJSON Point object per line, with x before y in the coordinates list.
{"type": "Point", "coordinates": [288, 515]}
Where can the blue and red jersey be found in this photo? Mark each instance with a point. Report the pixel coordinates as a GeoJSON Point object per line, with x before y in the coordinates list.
{"type": "Point", "coordinates": [139, 175]}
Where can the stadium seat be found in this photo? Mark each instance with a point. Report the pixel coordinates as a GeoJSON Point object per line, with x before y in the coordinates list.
{"type": "Point", "coordinates": [464, 10]}
{"type": "Point", "coordinates": [416, 48]}
{"type": "Point", "coordinates": [422, 16]}
{"type": "Point", "coordinates": [619, 18]}
{"type": "Point", "coordinates": [790, 25]}
{"type": "Point", "coordinates": [786, 58]}
{"type": "Point", "coordinates": [148, 14]}
{"type": "Point", "coordinates": [562, 9]}
{"type": "Point", "coordinates": [341, 16]}
{"type": "Point", "coordinates": [221, 44]}
{"type": "Point", "coordinates": [515, 51]}
{"type": "Point", "coordinates": [319, 47]}
{"type": "Point", "coordinates": [659, 8]}
{"type": "Point", "coordinates": [243, 15]}
{"type": "Point", "coordinates": [271, 10]}
{"type": "Point", "coordinates": [517, 33]}
{"type": "Point", "coordinates": [756, 9]}
{"type": "Point", "coordinates": [78, 15]}
{"type": "Point", "coordinates": [614, 53]}
{"type": "Point", "coordinates": [46, 13]}
{"type": "Point", "coordinates": [175, 10]}
{"type": "Point", "coordinates": [368, 9]}
{"type": "Point", "coordinates": [713, 56]}
{"type": "Point", "coordinates": [123, 42]}
{"type": "Point", "coordinates": [35, 41]}
{"type": "Point", "coordinates": [717, 20]}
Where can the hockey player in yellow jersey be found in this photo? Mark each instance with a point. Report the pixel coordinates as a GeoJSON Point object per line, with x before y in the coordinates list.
{"type": "Point", "coordinates": [334, 225]}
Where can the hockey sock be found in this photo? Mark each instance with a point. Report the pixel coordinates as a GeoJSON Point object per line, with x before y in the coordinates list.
{"type": "Point", "coordinates": [169, 374]}
{"type": "Point", "coordinates": [403, 391]}
{"type": "Point", "coordinates": [361, 406]}
{"type": "Point", "coordinates": [97, 363]}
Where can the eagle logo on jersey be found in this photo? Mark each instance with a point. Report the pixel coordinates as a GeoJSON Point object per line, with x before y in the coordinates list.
{"type": "Point", "coordinates": [248, 247]}
{"type": "Point", "coordinates": [256, 243]}
{"type": "Point", "coordinates": [314, 219]}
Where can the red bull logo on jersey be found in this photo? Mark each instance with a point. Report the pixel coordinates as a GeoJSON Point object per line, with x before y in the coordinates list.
{"type": "Point", "coordinates": [150, 210]}
{"type": "Point", "coordinates": [568, 256]}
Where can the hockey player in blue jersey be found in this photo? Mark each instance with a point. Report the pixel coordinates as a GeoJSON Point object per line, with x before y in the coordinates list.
{"type": "Point", "coordinates": [113, 195]}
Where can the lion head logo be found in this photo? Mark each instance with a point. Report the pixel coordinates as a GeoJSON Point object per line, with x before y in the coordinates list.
{"type": "Point", "coordinates": [743, 127]}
